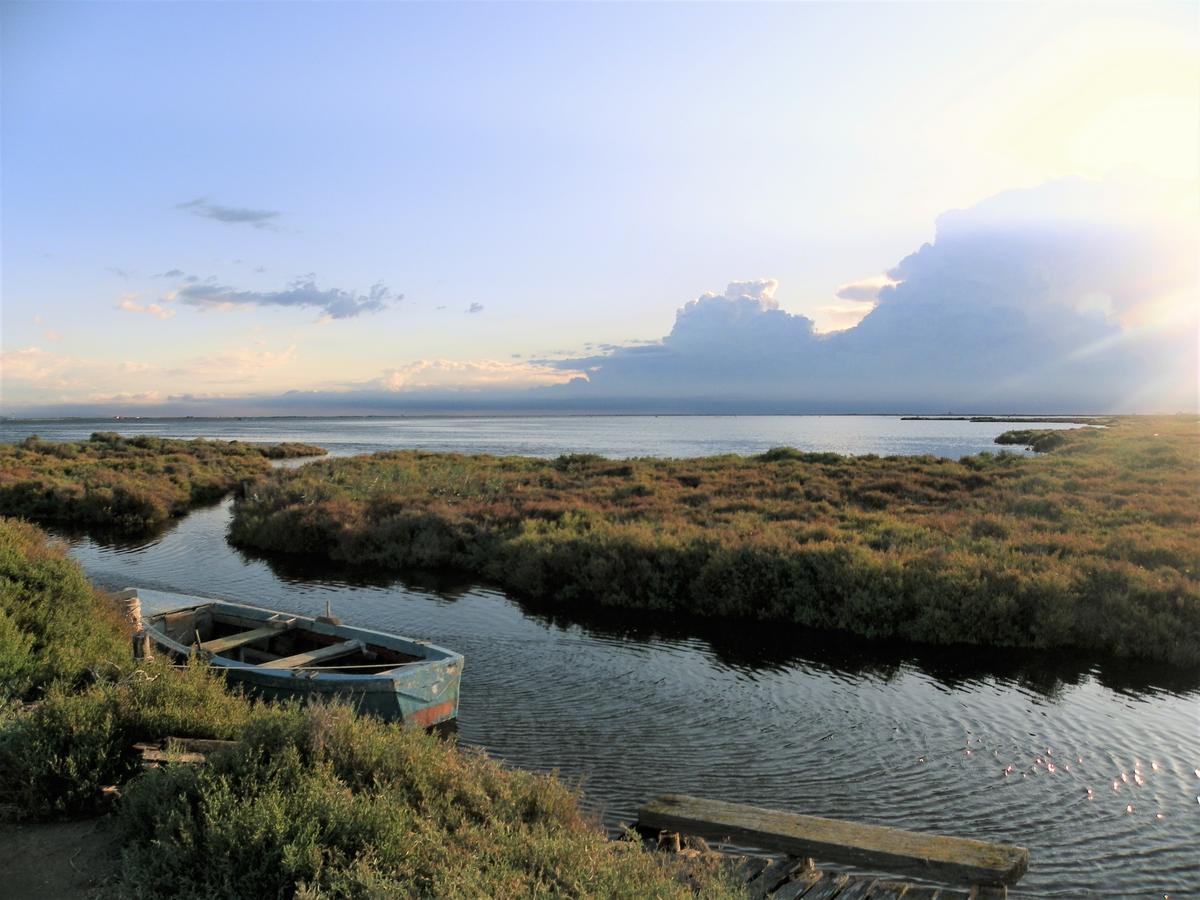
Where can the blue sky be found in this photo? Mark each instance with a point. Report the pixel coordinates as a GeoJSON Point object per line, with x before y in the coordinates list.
{"type": "Point", "coordinates": [198, 199]}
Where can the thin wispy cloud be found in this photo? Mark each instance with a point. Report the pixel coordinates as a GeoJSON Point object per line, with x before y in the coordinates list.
{"type": "Point", "coordinates": [475, 308]}
{"type": "Point", "coordinates": [233, 215]}
{"type": "Point", "coordinates": [129, 303]}
{"type": "Point", "coordinates": [333, 303]}
{"type": "Point", "coordinates": [474, 375]}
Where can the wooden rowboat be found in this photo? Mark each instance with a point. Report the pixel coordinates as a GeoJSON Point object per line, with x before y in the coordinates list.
{"type": "Point", "coordinates": [290, 656]}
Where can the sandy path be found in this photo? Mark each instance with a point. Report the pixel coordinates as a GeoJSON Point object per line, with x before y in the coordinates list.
{"type": "Point", "coordinates": [58, 861]}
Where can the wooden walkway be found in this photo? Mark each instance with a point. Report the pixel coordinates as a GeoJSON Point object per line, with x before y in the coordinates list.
{"type": "Point", "coordinates": [792, 878]}
{"type": "Point", "coordinates": [988, 869]}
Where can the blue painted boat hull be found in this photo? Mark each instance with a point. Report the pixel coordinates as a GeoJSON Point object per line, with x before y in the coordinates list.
{"type": "Point", "coordinates": [422, 691]}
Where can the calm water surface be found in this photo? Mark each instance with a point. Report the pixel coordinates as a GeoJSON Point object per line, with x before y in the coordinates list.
{"type": "Point", "coordinates": [551, 435]}
{"type": "Point", "coordinates": [787, 718]}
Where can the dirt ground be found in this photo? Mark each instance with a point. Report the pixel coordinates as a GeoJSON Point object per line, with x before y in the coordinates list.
{"type": "Point", "coordinates": [59, 861]}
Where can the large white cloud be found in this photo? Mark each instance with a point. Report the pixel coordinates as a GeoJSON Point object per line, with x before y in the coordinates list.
{"type": "Point", "coordinates": [1073, 295]}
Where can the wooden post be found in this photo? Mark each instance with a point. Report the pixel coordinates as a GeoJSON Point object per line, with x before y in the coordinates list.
{"type": "Point", "coordinates": [133, 615]}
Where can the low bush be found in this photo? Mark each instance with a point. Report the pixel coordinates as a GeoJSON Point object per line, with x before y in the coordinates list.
{"type": "Point", "coordinates": [990, 549]}
{"type": "Point", "coordinates": [126, 484]}
{"type": "Point", "coordinates": [54, 626]}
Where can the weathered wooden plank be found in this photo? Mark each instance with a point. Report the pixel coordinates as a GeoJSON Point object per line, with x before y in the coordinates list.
{"type": "Point", "coordinates": [748, 868]}
{"type": "Point", "coordinates": [798, 886]}
{"type": "Point", "coordinates": [858, 888]}
{"type": "Point", "coordinates": [951, 859]}
{"type": "Point", "coordinates": [333, 651]}
{"type": "Point", "coordinates": [162, 756]}
{"type": "Point", "coordinates": [922, 892]}
{"type": "Point", "coordinates": [772, 877]}
{"type": "Point", "coordinates": [827, 888]}
{"type": "Point", "coordinates": [233, 641]}
{"type": "Point", "coordinates": [890, 890]}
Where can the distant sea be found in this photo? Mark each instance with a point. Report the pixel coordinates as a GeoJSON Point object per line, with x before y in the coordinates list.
{"type": "Point", "coordinates": [612, 436]}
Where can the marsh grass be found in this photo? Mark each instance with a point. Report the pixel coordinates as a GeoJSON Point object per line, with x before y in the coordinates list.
{"type": "Point", "coordinates": [1094, 545]}
{"type": "Point", "coordinates": [126, 485]}
{"type": "Point", "coordinates": [54, 626]}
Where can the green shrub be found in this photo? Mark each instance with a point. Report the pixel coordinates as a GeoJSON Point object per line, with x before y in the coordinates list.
{"type": "Point", "coordinates": [54, 626]}
{"type": "Point", "coordinates": [916, 547]}
{"type": "Point", "coordinates": [126, 484]}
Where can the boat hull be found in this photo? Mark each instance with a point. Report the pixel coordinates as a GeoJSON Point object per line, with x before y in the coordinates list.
{"type": "Point", "coordinates": [423, 692]}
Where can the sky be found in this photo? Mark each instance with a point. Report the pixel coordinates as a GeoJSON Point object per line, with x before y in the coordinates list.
{"type": "Point", "coordinates": [262, 208]}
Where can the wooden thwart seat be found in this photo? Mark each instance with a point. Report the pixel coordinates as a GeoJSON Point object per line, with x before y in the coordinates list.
{"type": "Point", "coordinates": [333, 651]}
{"type": "Point", "coordinates": [233, 641]}
{"type": "Point", "coordinates": [935, 857]}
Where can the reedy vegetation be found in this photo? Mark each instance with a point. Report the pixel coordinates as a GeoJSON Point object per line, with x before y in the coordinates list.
{"type": "Point", "coordinates": [127, 484]}
{"type": "Point", "coordinates": [1095, 545]}
{"type": "Point", "coordinates": [314, 802]}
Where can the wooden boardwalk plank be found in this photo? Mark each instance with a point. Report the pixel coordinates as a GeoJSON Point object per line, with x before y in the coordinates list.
{"type": "Point", "coordinates": [890, 890]}
{"type": "Point", "coordinates": [333, 651]}
{"type": "Point", "coordinates": [827, 888]}
{"type": "Point", "coordinates": [798, 886]}
{"type": "Point", "coordinates": [748, 868]}
{"type": "Point", "coordinates": [859, 887]}
{"type": "Point", "coordinates": [922, 892]}
{"type": "Point", "coordinates": [872, 847]}
{"type": "Point", "coordinates": [772, 877]}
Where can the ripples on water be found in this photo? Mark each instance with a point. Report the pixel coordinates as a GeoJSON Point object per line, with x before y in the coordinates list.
{"type": "Point", "coordinates": [631, 707]}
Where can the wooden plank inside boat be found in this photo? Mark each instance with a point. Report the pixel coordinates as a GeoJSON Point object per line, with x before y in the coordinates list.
{"type": "Point", "coordinates": [314, 656]}
{"type": "Point", "coordinates": [232, 641]}
{"type": "Point", "coordinates": [873, 847]}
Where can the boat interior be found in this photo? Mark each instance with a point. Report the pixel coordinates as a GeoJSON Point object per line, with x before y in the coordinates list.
{"type": "Point", "coordinates": [278, 642]}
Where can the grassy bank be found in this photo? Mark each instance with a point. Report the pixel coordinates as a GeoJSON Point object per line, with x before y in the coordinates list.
{"type": "Point", "coordinates": [126, 484]}
{"type": "Point", "coordinates": [1094, 545]}
{"type": "Point", "coordinates": [312, 803]}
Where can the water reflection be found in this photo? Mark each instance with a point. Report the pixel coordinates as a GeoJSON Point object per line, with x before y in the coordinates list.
{"type": "Point", "coordinates": [744, 646]}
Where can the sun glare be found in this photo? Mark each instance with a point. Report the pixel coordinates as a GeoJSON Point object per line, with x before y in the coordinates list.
{"type": "Point", "coordinates": [1105, 98]}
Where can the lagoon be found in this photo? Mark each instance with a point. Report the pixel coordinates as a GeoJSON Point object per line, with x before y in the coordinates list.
{"type": "Point", "coordinates": [632, 706]}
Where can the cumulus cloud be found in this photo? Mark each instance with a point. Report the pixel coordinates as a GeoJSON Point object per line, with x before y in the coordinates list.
{"type": "Point", "coordinates": [865, 289]}
{"type": "Point", "coordinates": [234, 215]}
{"type": "Point", "coordinates": [129, 303]}
{"type": "Point", "coordinates": [838, 317]}
{"type": "Point", "coordinates": [334, 303]}
{"type": "Point", "coordinates": [1073, 295]}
